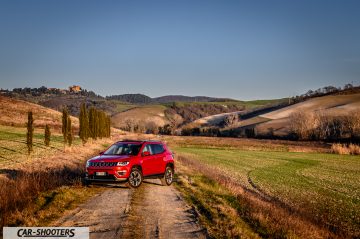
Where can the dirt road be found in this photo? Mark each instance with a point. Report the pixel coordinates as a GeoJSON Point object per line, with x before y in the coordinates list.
{"type": "Point", "coordinates": [151, 211]}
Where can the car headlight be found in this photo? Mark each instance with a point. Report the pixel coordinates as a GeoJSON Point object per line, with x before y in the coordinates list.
{"type": "Point", "coordinates": [88, 163]}
{"type": "Point", "coordinates": [122, 163]}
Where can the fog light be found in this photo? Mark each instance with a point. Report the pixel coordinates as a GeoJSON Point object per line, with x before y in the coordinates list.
{"type": "Point", "coordinates": [122, 173]}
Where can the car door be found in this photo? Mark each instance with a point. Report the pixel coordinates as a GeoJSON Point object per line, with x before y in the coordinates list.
{"type": "Point", "coordinates": [158, 153]}
{"type": "Point", "coordinates": [148, 161]}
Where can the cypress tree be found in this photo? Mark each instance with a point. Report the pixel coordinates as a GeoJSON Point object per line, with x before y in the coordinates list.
{"type": "Point", "coordinates": [92, 123]}
{"type": "Point", "coordinates": [47, 135]}
{"type": "Point", "coordinates": [69, 131]}
{"type": "Point", "coordinates": [65, 117]}
{"type": "Point", "coordinates": [96, 123]}
{"type": "Point", "coordinates": [30, 132]}
{"type": "Point", "coordinates": [108, 130]}
{"type": "Point", "coordinates": [84, 124]}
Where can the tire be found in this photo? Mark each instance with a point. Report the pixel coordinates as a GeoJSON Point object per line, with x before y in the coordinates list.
{"type": "Point", "coordinates": [86, 182]}
{"type": "Point", "coordinates": [135, 178]}
{"type": "Point", "coordinates": [168, 177]}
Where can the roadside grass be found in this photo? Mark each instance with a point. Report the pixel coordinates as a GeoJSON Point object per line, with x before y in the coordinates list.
{"type": "Point", "coordinates": [217, 208]}
{"type": "Point", "coordinates": [320, 188]}
{"type": "Point", "coordinates": [51, 205]}
{"type": "Point", "coordinates": [24, 177]}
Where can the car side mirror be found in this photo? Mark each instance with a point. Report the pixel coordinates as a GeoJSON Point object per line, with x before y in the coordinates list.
{"type": "Point", "coordinates": [146, 153]}
{"type": "Point", "coordinates": [101, 153]}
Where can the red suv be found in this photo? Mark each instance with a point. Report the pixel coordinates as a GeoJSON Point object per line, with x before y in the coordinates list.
{"type": "Point", "coordinates": [132, 161]}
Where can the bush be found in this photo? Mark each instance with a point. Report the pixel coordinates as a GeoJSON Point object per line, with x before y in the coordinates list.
{"type": "Point", "coordinates": [352, 149]}
{"type": "Point", "coordinates": [339, 149]}
{"type": "Point", "coordinates": [321, 126]}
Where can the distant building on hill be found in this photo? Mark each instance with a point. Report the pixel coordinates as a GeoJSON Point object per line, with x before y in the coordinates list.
{"type": "Point", "coordinates": [63, 91]}
{"type": "Point", "coordinates": [75, 88]}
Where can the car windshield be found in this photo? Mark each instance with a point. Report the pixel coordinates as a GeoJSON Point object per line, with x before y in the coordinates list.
{"type": "Point", "coordinates": [123, 149]}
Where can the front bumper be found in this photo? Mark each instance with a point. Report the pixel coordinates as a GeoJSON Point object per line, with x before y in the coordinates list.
{"type": "Point", "coordinates": [112, 174]}
{"type": "Point", "coordinates": [105, 179]}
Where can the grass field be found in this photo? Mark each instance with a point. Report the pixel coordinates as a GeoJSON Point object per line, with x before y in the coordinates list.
{"type": "Point", "coordinates": [322, 187]}
{"type": "Point", "coordinates": [13, 147]}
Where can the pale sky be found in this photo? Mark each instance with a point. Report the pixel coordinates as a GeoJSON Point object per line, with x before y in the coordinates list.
{"type": "Point", "coordinates": [238, 49]}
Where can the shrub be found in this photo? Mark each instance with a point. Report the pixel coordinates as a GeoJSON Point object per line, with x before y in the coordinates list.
{"type": "Point", "coordinates": [340, 149]}
{"type": "Point", "coordinates": [354, 149]}
{"type": "Point", "coordinates": [344, 149]}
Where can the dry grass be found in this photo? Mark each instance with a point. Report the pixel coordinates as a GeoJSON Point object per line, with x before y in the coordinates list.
{"type": "Point", "coordinates": [51, 205]}
{"type": "Point", "coordinates": [352, 149]}
{"type": "Point", "coordinates": [13, 112]}
{"type": "Point", "coordinates": [246, 144]}
{"type": "Point", "coordinates": [22, 182]}
{"type": "Point", "coordinates": [141, 115]}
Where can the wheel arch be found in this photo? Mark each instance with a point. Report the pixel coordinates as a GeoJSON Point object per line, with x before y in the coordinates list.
{"type": "Point", "coordinates": [171, 165]}
{"type": "Point", "coordinates": [137, 166]}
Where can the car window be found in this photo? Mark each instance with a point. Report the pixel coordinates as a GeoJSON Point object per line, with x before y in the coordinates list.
{"type": "Point", "coordinates": [147, 148]}
{"type": "Point", "coordinates": [157, 148]}
{"type": "Point", "coordinates": [123, 149]}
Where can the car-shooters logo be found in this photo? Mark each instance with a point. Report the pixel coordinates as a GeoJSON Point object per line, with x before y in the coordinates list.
{"type": "Point", "coordinates": [46, 232]}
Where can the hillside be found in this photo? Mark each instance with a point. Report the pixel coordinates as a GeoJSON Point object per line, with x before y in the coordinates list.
{"type": "Point", "coordinates": [278, 122]}
{"type": "Point", "coordinates": [182, 98]}
{"type": "Point", "coordinates": [144, 99]}
{"type": "Point", "coordinates": [147, 114]}
{"type": "Point", "coordinates": [14, 112]}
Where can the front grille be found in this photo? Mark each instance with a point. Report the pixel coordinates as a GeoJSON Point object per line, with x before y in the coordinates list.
{"type": "Point", "coordinates": [103, 164]}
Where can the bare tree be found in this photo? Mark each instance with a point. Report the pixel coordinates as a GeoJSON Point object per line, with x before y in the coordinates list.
{"type": "Point", "coordinates": [304, 124]}
{"type": "Point", "coordinates": [151, 127]}
{"type": "Point", "coordinates": [129, 125]}
{"type": "Point", "coordinates": [231, 119]}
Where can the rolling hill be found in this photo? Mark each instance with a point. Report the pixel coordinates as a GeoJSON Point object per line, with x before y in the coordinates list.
{"type": "Point", "coordinates": [13, 112]}
{"type": "Point", "coordinates": [144, 99]}
{"type": "Point", "coordinates": [278, 121]}
{"type": "Point", "coordinates": [140, 114]}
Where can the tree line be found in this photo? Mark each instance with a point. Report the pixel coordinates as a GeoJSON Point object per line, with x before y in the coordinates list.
{"type": "Point", "coordinates": [93, 123]}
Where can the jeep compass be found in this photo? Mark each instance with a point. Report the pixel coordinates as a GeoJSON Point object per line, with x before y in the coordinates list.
{"type": "Point", "coordinates": [131, 162]}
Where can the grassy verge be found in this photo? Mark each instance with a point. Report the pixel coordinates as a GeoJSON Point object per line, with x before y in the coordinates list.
{"type": "Point", "coordinates": [304, 194]}
{"type": "Point", "coordinates": [50, 205]}
{"type": "Point", "coordinates": [24, 178]}
{"type": "Point", "coordinates": [218, 209]}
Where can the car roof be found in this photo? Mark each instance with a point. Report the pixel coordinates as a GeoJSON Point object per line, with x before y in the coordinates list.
{"type": "Point", "coordinates": [139, 141]}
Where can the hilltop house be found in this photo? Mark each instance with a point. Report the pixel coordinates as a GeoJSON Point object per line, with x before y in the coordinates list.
{"type": "Point", "coordinates": [75, 88]}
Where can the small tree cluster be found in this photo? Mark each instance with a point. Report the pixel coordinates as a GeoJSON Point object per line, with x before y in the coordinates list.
{"type": "Point", "coordinates": [320, 126]}
{"type": "Point", "coordinates": [166, 130]}
{"type": "Point", "coordinates": [93, 124]}
{"type": "Point", "coordinates": [208, 131]}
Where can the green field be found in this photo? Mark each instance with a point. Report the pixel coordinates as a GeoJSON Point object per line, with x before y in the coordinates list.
{"type": "Point", "coordinates": [325, 187]}
{"type": "Point", "coordinates": [13, 147]}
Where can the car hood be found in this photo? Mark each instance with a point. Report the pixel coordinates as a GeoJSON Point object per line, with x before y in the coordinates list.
{"type": "Point", "coordinates": [110, 158]}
